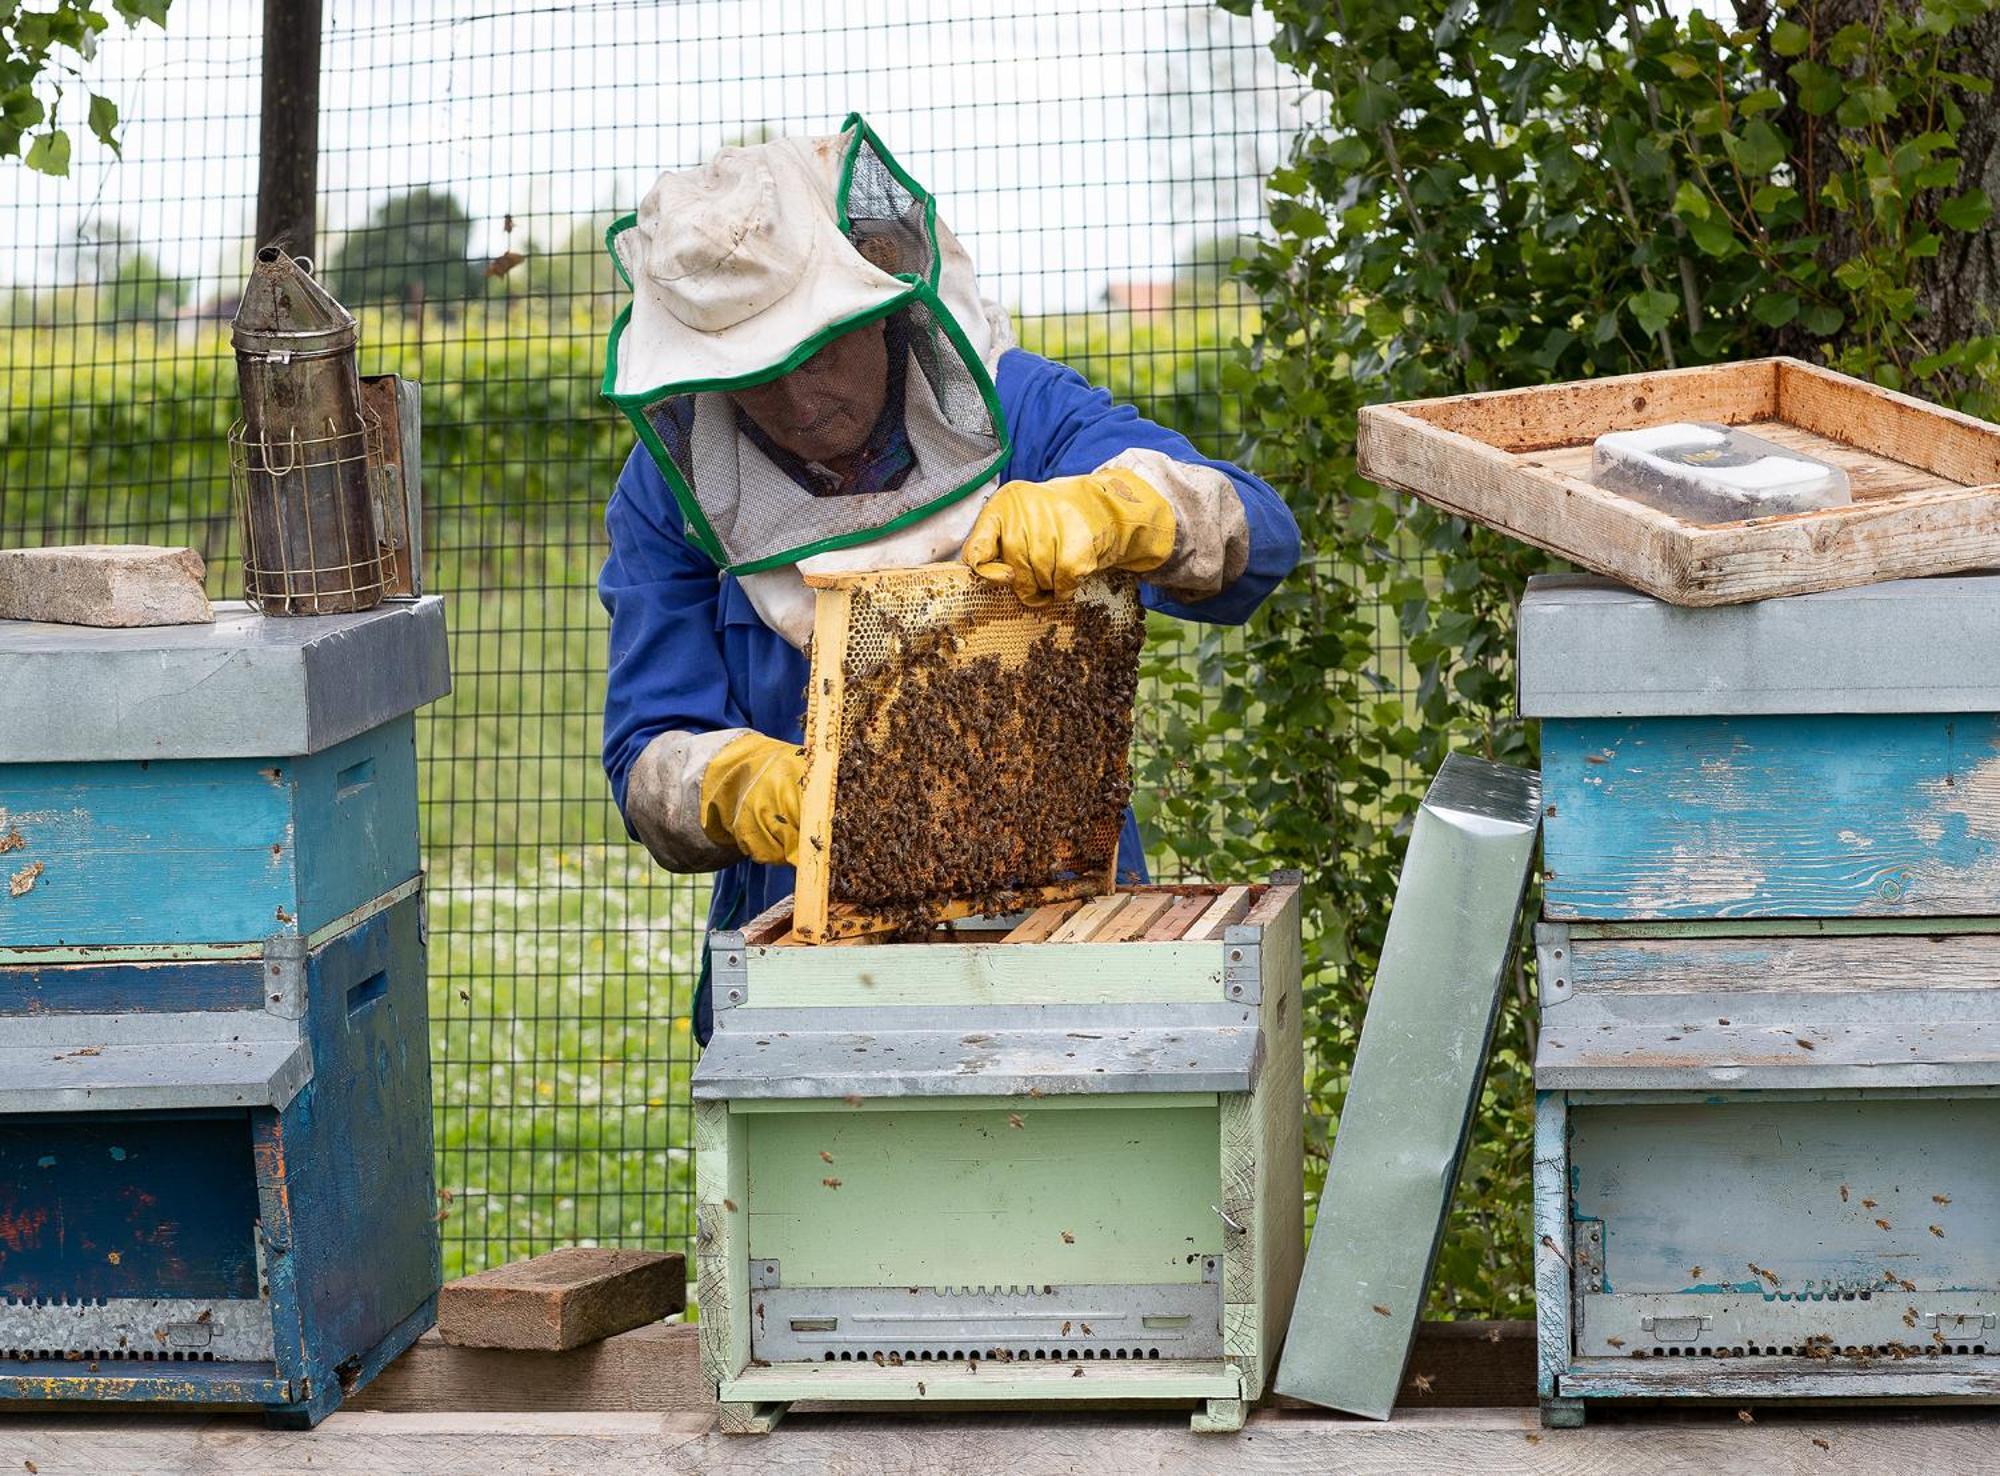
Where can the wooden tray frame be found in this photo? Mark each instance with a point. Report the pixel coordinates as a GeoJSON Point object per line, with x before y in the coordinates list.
{"type": "Point", "coordinates": [1926, 480]}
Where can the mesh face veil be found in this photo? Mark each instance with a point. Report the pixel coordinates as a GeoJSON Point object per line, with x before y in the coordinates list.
{"type": "Point", "coordinates": [744, 270]}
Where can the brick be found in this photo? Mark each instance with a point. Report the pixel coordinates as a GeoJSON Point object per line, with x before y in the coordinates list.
{"type": "Point", "coordinates": [562, 1299]}
{"type": "Point", "coordinates": [119, 584]}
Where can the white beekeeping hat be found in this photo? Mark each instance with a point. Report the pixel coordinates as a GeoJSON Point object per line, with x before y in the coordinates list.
{"type": "Point", "coordinates": [743, 269]}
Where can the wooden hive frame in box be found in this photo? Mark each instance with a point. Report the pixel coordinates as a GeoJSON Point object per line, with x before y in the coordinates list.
{"type": "Point", "coordinates": [1047, 1160]}
{"type": "Point", "coordinates": [965, 753]}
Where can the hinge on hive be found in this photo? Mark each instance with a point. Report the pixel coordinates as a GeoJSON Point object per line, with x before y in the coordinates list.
{"type": "Point", "coordinates": [1587, 1242]}
{"type": "Point", "coordinates": [729, 973]}
{"type": "Point", "coordinates": [1586, 1272]}
{"type": "Point", "coordinates": [1552, 960]}
{"type": "Point", "coordinates": [1242, 974]}
{"type": "Point", "coordinates": [764, 1276]}
{"type": "Point", "coordinates": [285, 975]}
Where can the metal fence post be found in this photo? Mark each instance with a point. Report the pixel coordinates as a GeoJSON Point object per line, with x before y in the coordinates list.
{"type": "Point", "coordinates": [288, 135]}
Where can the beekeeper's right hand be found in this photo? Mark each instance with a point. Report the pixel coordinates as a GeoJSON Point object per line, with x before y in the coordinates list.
{"type": "Point", "coordinates": [751, 797]}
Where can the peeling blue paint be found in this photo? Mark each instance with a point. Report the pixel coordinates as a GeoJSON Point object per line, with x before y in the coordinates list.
{"type": "Point", "coordinates": [252, 850]}
{"type": "Point", "coordinates": [1822, 816]}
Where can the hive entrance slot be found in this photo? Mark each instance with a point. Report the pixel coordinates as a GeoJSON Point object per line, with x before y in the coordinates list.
{"type": "Point", "coordinates": [899, 1357]}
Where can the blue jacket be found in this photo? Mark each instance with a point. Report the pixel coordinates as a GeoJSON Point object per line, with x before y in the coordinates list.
{"type": "Point", "coordinates": [689, 653]}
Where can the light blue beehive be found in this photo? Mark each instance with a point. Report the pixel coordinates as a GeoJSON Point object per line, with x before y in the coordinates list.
{"type": "Point", "coordinates": [215, 1145]}
{"type": "Point", "coordinates": [1768, 1137]}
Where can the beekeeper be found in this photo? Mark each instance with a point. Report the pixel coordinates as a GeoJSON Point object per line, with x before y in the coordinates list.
{"type": "Point", "coordinates": [818, 386]}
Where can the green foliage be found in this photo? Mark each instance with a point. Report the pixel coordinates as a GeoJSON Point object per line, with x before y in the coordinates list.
{"type": "Point", "coordinates": [413, 250]}
{"type": "Point", "coordinates": [1507, 194]}
{"type": "Point", "coordinates": [110, 281]}
{"type": "Point", "coordinates": [140, 291]}
{"type": "Point", "coordinates": [33, 42]}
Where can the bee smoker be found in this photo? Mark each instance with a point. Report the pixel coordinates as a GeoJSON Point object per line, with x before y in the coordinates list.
{"type": "Point", "coordinates": [304, 458]}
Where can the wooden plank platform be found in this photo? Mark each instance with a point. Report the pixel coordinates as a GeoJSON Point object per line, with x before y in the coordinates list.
{"type": "Point", "coordinates": [637, 1403]}
{"type": "Point", "coordinates": [654, 1369]}
{"type": "Point", "coordinates": [562, 1299]}
{"type": "Point", "coordinates": [1464, 1442]}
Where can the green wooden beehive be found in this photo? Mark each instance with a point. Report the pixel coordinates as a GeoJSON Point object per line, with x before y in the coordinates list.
{"type": "Point", "coordinates": [1053, 1162]}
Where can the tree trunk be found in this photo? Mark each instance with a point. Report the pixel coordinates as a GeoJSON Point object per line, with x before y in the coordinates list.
{"type": "Point", "coordinates": [1959, 288]}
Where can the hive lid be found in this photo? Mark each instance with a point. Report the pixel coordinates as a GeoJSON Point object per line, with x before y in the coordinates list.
{"type": "Point", "coordinates": [1416, 1077]}
{"type": "Point", "coordinates": [248, 686]}
{"type": "Point", "coordinates": [284, 310]}
{"type": "Point", "coordinates": [1590, 647]}
{"type": "Point", "coordinates": [150, 1062]}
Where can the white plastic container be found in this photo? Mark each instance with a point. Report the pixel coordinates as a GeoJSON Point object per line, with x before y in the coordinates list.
{"type": "Point", "coordinates": [1714, 473]}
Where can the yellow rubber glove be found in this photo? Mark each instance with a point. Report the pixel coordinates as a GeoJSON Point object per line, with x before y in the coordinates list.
{"type": "Point", "coordinates": [751, 797]}
{"type": "Point", "coordinates": [1043, 537]}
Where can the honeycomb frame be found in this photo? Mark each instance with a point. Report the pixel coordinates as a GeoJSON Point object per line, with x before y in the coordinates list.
{"type": "Point", "coordinates": [941, 651]}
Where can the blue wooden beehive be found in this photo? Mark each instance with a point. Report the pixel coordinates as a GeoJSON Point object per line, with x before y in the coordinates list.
{"type": "Point", "coordinates": [215, 1141]}
{"type": "Point", "coordinates": [1767, 1159]}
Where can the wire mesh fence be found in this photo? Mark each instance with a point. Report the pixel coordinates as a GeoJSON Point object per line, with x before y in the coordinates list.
{"type": "Point", "coordinates": [1100, 160]}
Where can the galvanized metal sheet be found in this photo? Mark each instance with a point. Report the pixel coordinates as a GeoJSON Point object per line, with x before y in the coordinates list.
{"type": "Point", "coordinates": [1416, 1077]}
{"type": "Point", "coordinates": [1032, 1323]}
{"type": "Point", "coordinates": [974, 1058]}
{"type": "Point", "coordinates": [124, 1329]}
{"type": "Point", "coordinates": [248, 686]}
{"type": "Point", "coordinates": [103, 1063]}
{"type": "Point", "coordinates": [1589, 647]}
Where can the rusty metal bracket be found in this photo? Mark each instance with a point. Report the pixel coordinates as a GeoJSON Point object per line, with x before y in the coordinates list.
{"type": "Point", "coordinates": [285, 975]}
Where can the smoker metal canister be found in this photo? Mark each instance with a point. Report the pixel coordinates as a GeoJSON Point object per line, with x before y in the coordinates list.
{"type": "Point", "coordinates": [302, 449]}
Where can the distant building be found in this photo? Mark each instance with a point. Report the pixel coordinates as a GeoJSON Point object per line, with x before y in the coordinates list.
{"type": "Point", "coordinates": [1140, 297]}
{"type": "Point", "coordinates": [190, 320]}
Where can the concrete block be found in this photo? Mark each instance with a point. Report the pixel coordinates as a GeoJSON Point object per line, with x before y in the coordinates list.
{"type": "Point", "coordinates": [562, 1299]}
{"type": "Point", "coordinates": [120, 584]}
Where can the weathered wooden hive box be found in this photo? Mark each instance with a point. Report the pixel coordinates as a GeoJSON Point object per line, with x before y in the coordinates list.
{"type": "Point", "coordinates": [215, 1145]}
{"type": "Point", "coordinates": [1045, 1163]}
{"type": "Point", "coordinates": [1768, 1138]}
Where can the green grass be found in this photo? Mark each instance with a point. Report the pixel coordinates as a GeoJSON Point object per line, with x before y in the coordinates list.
{"type": "Point", "coordinates": [562, 961]}
{"type": "Point", "coordinates": [560, 1049]}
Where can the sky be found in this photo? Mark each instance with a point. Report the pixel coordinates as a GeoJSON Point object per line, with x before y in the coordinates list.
{"type": "Point", "coordinates": [1071, 144]}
